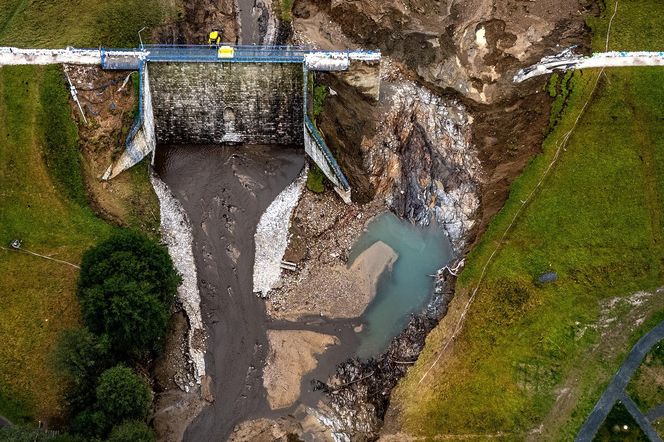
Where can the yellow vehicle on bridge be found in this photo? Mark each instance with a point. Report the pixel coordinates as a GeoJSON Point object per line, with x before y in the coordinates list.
{"type": "Point", "coordinates": [226, 52]}
{"type": "Point", "coordinates": [214, 38]}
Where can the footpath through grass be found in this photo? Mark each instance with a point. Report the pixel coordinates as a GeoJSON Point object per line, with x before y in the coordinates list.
{"type": "Point", "coordinates": [596, 222]}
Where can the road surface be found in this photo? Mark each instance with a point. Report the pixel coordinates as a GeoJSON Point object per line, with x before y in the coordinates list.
{"type": "Point", "coordinates": [616, 390]}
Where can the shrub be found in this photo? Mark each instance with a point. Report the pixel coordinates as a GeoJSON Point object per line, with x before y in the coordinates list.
{"type": "Point", "coordinates": [81, 357]}
{"type": "Point", "coordinates": [315, 180]}
{"type": "Point", "coordinates": [126, 287]}
{"type": "Point", "coordinates": [132, 431]}
{"type": "Point", "coordinates": [122, 395]}
{"type": "Point", "coordinates": [92, 424]}
{"type": "Point", "coordinates": [320, 94]}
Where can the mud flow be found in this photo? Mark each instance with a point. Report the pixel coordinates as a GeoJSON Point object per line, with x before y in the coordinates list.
{"type": "Point", "coordinates": [224, 190]}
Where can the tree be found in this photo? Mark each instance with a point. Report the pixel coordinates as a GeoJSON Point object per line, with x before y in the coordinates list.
{"type": "Point", "coordinates": [132, 431]}
{"type": "Point", "coordinates": [126, 287]}
{"type": "Point", "coordinates": [123, 395]}
{"type": "Point", "coordinates": [81, 357]}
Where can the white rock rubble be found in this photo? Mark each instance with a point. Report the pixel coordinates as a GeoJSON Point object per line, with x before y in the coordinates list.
{"type": "Point", "coordinates": [271, 236]}
{"type": "Point", "coordinates": [177, 234]}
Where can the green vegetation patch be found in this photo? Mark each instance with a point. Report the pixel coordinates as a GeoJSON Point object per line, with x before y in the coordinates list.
{"type": "Point", "coordinates": [38, 295]}
{"type": "Point", "coordinates": [647, 385]}
{"type": "Point", "coordinates": [316, 179]}
{"type": "Point", "coordinates": [42, 195]}
{"type": "Point", "coordinates": [126, 287]}
{"type": "Point", "coordinates": [286, 10]}
{"type": "Point", "coordinates": [319, 96]}
{"type": "Point", "coordinates": [596, 222]}
{"type": "Point", "coordinates": [61, 153]}
{"type": "Point", "coordinates": [85, 23]}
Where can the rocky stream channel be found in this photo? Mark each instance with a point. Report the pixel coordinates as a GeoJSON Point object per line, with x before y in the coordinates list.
{"type": "Point", "coordinates": [440, 146]}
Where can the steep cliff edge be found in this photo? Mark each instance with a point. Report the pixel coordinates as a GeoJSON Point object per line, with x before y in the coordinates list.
{"type": "Point", "coordinates": [461, 55]}
{"type": "Point", "coordinates": [445, 140]}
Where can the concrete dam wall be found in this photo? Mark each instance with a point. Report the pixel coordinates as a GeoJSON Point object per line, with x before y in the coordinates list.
{"type": "Point", "coordinates": [212, 103]}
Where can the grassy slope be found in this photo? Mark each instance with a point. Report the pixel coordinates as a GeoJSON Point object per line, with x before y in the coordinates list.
{"type": "Point", "coordinates": [33, 206]}
{"type": "Point", "coordinates": [37, 295]}
{"type": "Point", "coordinates": [84, 23]}
{"type": "Point", "coordinates": [596, 221]}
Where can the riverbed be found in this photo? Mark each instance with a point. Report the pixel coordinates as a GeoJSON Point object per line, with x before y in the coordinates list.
{"type": "Point", "coordinates": [224, 190]}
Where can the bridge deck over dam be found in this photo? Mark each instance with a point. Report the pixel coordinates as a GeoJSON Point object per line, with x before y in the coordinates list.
{"type": "Point", "coordinates": [193, 94]}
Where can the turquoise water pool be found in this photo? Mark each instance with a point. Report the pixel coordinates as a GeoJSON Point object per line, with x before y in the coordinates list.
{"type": "Point", "coordinates": [409, 286]}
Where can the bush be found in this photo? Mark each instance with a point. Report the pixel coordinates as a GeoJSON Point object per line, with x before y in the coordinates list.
{"type": "Point", "coordinates": [315, 180]}
{"type": "Point", "coordinates": [92, 424]}
{"type": "Point", "coordinates": [81, 357]}
{"type": "Point", "coordinates": [132, 431]}
{"type": "Point", "coordinates": [126, 287]}
{"type": "Point", "coordinates": [122, 395]}
{"type": "Point", "coordinates": [320, 94]}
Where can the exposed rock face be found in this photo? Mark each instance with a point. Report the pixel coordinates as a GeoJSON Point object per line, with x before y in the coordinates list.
{"type": "Point", "coordinates": [467, 45]}
{"type": "Point", "coordinates": [199, 17]}
{"type": "Point", "coordinates": [414, 151]}
{"type": "Point", "coordinates": [461, 53]}
{"type": "Point", "coordinates": [422, 160]}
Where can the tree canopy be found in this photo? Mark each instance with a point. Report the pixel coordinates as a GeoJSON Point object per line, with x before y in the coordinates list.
{"type": "Point", "coordinates": [81, 357]}
{"type": "Point", "coordinates": [123, 395]}
{"type": "Point", "coordinates": [126, 287]}
{"type": "Point", "coordinates": [132, 431]}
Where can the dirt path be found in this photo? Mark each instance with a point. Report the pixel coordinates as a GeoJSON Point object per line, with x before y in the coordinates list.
{"type": "Point", "coordinates": [224, 191]}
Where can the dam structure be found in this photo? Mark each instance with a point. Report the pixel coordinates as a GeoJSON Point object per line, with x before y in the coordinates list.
{"type": "Point", "coordinates": [209, 94]}
{"type": "Point", "coordinates": [189, 95]}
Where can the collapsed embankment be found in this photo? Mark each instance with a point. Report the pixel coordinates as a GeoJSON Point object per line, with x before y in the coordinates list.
{"type": "Point", "coordinates": [445, 140]}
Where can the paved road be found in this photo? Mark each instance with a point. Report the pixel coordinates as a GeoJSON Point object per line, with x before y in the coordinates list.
{"type": "Point", "coordinates": [4, 422]}
{"type": "Point", "coordinates": [616, 389]}
{"type": "Point", "coordinates": [655, 413]}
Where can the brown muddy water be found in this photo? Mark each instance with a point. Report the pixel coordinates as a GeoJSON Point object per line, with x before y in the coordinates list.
{"type": "Point", "coordinates": [225, 190]}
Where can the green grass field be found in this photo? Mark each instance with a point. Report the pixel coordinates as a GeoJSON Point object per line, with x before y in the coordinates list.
{"type": "Point", "coordinates": [37, 295]}
{"type": "Point", "coordinates": [42, 195]}
{"type": "Point", "coordinates": [83, 23]}
{"type": "Point", "coordinates": [596, 221]}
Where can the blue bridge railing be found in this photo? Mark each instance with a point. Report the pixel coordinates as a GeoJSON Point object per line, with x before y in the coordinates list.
{"type": "Point", "coordinates": [331, 161]}
{"type": "Point", "coordinates": [129, 59]}
{"type": "Point", "coordinates": [242, 53]}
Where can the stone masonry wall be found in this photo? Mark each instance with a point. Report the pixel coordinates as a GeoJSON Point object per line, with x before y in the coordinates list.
{"type": "Point", "coordinates": [211, 103]}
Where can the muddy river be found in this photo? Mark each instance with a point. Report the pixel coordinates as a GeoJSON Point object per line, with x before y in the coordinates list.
{"type": "Point", "coordinates": [224, 190]}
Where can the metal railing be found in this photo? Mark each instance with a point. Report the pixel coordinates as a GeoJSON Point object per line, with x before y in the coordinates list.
{"type": "Point", "coordinates": [241, 53]}
{"type": "Point", "coordinates": [331, 161]}
{"type": "Point", "coordinates": [129, 59]}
